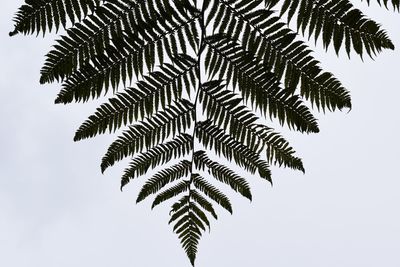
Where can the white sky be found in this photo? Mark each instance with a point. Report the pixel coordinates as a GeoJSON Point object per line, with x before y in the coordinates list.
{"type": "Point", "coordinates": [58, 210]}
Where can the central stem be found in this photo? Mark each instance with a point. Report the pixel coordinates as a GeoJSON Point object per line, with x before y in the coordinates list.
{"type": "Point", "coordinates": [200, 51]}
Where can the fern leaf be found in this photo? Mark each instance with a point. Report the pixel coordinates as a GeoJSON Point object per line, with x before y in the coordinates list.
{"type": "Point", "coordinates": [242, 125]}
{"type": "Point", "coordinates": [200, 214]}
{"type": "Point", "coordinates": [86, 39]}
{"type": "Point", "coordinates": [203, 202]}
{"type": "Point", "coordinates": [223, 109]}
{"type": "Point", "coordinates": [276, 45]}
{"type": "Point", "coordinates": [222, 174]}
{"type": "Point", "coordinates": [214, 138]}
{"type": "Point", "coordinates": [170, 193]}
{"type": "Point", "coordinates": [338, 20]}
{"type": "Point", "coordinates": [154, 92]}
{"type": "Point", "coordinates": [260, 86]}
{"type": "Point", "coordinates": [37, 16]}
{"type": "Point", "coordinates": [178, 147]}
{"type": "Point", "coordinates": [212, 192]}
{"type": "Point", "coordinates": [190, 235]}
{"type": "Point", "coordinates": [163, 178]}
{"type": "Point", "coordinates": [173, 120]}
{"type": "Point", "coordinates": [106, 70]}
{"type": "Point", "coordinates": [257, 69]}
{"type": "Point", "coordinates": [179, 204]}
{"type": "Point", "coordinates": [279, 150]}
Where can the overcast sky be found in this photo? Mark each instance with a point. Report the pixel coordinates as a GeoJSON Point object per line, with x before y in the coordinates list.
{"type": "Point", "coordinates": [57, 209]}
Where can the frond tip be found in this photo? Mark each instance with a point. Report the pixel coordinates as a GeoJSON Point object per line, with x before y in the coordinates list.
{"type": "Point", "coordinates": [37, 16]}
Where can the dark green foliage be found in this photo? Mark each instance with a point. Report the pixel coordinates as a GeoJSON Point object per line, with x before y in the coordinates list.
{"type": "Point", "coordinates": [171, 121]}
{"type": "Point", "coordinates": [46, 15]}
{"type": "Point", "coordinates": [153, 92]}
{"type": "Point", "coordinates": [163, 178]}
{"type": "Point", "coordinates": [222, 174]}
{"type": "Point", "coordinates": [153, 54]}
{"type": "Point", "coordinates": [337, 21]}
{"type": "Point", "coordinates": [176, 148]}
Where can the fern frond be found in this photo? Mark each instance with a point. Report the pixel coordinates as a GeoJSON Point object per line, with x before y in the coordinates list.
{"type": "Point", "coordinates": [191, 207]}
{"type": "Point", "coordinates": [178, 147]}
{"type": "Point", "coordinates": [180, 203]}
{"type": "Point", "coordinates": [37, 16]}
{"type": "Point", "coordinates": [181, 187]}
{"type": "Point", "coordinates": [86, 39]}
{"type": "Point", "coordinates": [188, 214]}
{"type": "Point", "coordinates": [224, 109]}
{"type": "Point", "coordinates": [222, 174]}
{"type": "Point", "coordinates": [189, 233]}
{"type": "Point", "coordinates": [257, 66]}
{"type": "Point", "coordinates": [200, 214]}
{"type": "Point", "coordinates": [108, 70]}
{"type": "Point", "coordinates": [215, 138]}
{"type": "Point", "coordinates": [269, 4]}
{"type": "Point", "coordinates": [155, 91]}
{"type": "Point", "coordinates": [212, 192]}
{"type": "Point", "coordinates": [173, 120]}
{"type": "Point", "coordinates": [257, 84]}
{"type": "Point", "coordinates": [279, 150]}
{"type": "Point", "coordinates": [176, 214]}
{"type": "Point", "coordinates": [120, 26]}
{"type": "Point", "coordinates": [163, 178]}
{"type": "Point", "coordinates": [339, 21]}
{"type": "Point", "coordinates": [276, 45]}
{"type": "Point", "coordinates": [203, 202]}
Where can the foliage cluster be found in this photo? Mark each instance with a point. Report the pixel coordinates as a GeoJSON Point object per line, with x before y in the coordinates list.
{"type": "Point", "coordinates": [153, 55]}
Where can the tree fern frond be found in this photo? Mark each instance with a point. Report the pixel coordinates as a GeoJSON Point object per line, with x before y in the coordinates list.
{"type": "Point", "coordinates": [173, 120]}
{"type": "Point", "coordinates": [107, 71]}
{"type": "Point", "coordinates": [163, 178]}
{"type": "Point", "coordinates": [276, 45]}
{"type": "Point", "coordinates": [338, 21]}
{"type": "Point", "coordinates": [200, 214]}
{"type": "Point", "coordinates": [223, 108]}
{"type": "Point", "coordinates": [243, 128]}
{"type": "Point", "coordinates": [214, 138]}
{"type": "Point", "coordinates": [120, 26]}
{"type": "Point", "coordinates": [212, 192]}
{"type": "Point", "coordinates": [257, 67]}
{"type": "Point", "coordinates": [37, 16]}
{"type": "Point", "coordinates": [279, 150]}
{"type": "Point", "coordinates": [86, 39]}
{"type": "Point", "coordinates": [222, 174]}
{"type": "Point", "coordinates": [155, 91]}
{"type": "Point", "coordinates": [203, 202]}
{"type": "Point", "coordinates": [260, 86]}
{"type": "Point", "coordinates": [180, 203]}
{"type": "Point", "coordinates": [177, 214]}
{"type": "Point", "coordinates": [178, 147]}
{"type": "Point", "coordinates": [181, 226]}
{"type": "Point", "coordinates": [189, 235]}
{"type": "Point", "coordinates": [181, 187]}
{"type": "Point", "coordinates": [188, 214]}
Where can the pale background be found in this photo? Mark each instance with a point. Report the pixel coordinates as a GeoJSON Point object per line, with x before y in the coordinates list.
{"type": "Point", "coordinates": [56, 209]}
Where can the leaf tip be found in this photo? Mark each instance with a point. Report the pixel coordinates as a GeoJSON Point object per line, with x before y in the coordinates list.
{"type": "Point", "coordinates": [13, 33]}
{"type": "Point", "coordinates": [103, 168]}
